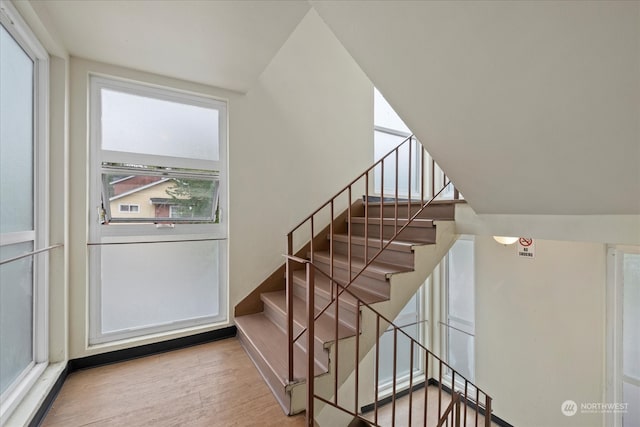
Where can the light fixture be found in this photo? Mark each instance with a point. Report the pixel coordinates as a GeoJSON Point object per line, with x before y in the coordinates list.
{"type": "Point", "coordinates": [504, 240]}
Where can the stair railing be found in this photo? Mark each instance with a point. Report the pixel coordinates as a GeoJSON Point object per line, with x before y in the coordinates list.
{"type": "Point", "coordinates": [475, 402]}
{"type": "Point", "coordinates": [422, 163]}
{"type": "Point", "coordinates": [449, 413]}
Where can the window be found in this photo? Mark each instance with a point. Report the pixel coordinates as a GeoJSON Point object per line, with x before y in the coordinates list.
{"type": "Point", "coordinates": [23, 210]}
{"type": "Point", "coordinates": [458, 314]}
{"type": "Point", "coordinates": [623, 341]}
{"type": "Point", "coordinates": [389, 132]}
{"type": "Point", "coordinates": [411, 320]}
{"type": "Point", "coordinates": [158, 235]}
{"type": "Point", "coordinates": [129, 208]}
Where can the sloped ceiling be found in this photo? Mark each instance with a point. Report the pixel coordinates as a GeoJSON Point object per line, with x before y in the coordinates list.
{"type": "Point", "coordinates": [530, 107]}
{"type": "Point", "coordinates": [220, 43]}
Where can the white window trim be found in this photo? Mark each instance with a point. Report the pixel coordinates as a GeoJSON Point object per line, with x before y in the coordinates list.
{"type": "Point", "coordinates": [151, 232]}
{"type": "Point", "coordinates": [18, 28]}
{"type": "Point", "coordinates": [444, 317]}
{"type": "Point", "coordinates": [129, 205]}
{"type": "Point", "coordinates": [98, 156]}
{"type": "Point", "coordinates": [613, 334]}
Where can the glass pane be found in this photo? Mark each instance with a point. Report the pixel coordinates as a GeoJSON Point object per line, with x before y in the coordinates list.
{"type": "Point", "coordinates": [631, 396]}
{"type": "Point", "coordinates": [461, 285]}
{"type": "Point", "coordinates": [409, 315]}
{"type": "Point", "coordinates": [631, 316]}
{"type": "Point", "coordinates": [16, 136]}
{"type": "Point", "coordinates": [461, 352]}
{"type": "Point", "coordinates": [383, 144]}
{"type": "Point", "coordinates": [16, 313]}
{"type": "Point", "coordinates": [139, 124]}
{"type": "Point", "coordinates": [385, 116]}
{"type": "Point", "coordinates": [145, 285]}
{"type": "Point", "coordinates": [136, 198]}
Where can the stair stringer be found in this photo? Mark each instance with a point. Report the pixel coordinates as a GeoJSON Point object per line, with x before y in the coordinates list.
{"type": "Point", "coordinates": [402, 287]}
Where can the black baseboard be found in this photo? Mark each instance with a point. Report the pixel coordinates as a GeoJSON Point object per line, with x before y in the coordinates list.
{"type": "Point", "coordinates": [386, 400]}
{"type": "Point", "coordinates": [48, 401]}
{"type": "Point", "coordinates": [123, 355]}
{"type": "Point", "coordinates": [149, 349]}
{"type": "Point", "coordinates": [446, 389]}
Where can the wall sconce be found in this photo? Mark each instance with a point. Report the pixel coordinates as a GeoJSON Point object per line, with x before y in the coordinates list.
{"type": "Point", "coordinates": [504, 240]}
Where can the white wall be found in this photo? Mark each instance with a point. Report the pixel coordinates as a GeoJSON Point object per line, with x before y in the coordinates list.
{"type": "Point", "coordinates": [302, 132]}
{"type": "Point", "coordinates": [611, 229]}
{"type": "Point", "coordinates": [540, 330]}
{"type": "Point", "coordinates": [531, 107]}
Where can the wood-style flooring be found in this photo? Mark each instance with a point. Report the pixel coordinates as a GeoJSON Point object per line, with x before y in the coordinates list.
{"type": "Point", "coordinates": [208, 385]}
{"type": "Point", "coordinates": [417, 410]}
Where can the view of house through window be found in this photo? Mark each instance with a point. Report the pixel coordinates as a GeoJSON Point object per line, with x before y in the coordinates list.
{"type": "Point", "coordinates": [158, 236]}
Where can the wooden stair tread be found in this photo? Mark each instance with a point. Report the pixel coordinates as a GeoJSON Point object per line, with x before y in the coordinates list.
{"type": "Point", "coordinates": [374, 242]}
{"type": "Point", "coordinates": [271, 343]}
{"type": "Point", "coordinates": [418, 222]}
{"type": "Point", "coordinates": [380, 269]}
{"type": "Point", "coordinates": [322, 284]}
{"type": "Point", "coordinates": [324, 326]}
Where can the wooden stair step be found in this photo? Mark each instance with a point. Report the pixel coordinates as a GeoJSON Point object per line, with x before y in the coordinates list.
{"type": "Point", "coordinates": [324, 326]}
{"type": "Point", "coordinates": [269, 342]}
{"type": "Point", "coordinates": [374, 242]}
{"type": "Point", "coordinates": [418, 222]}
{"type": "Point", "coordinates": [395, 251]}
{"type": "Point", "coordinates": [323, 287]}
{"type": "Point", "coordinates": [377, 270]}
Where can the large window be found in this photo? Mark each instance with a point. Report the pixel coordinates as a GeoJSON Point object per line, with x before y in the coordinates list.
{"type": "Point", "coordinates": [411, 320]}
{"type": "Point", "coordinates": [158, 234]}
{"type": "Point", "coordinates": [623, 352]}
{"type": "Point", "coordinates": [458, 311]}
{"type": "Point", "coordinates": [389, 132]}
{"type": "Point", "coordinates": [23, 209]}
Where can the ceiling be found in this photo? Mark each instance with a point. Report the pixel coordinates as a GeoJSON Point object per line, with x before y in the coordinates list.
{"type": "Point", "coordinates": [530, 107]}
{"type": "Point", "coordinates": [220, 43]}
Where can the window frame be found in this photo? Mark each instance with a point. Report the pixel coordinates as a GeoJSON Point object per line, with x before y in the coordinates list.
{"type": "Point", "coordinates": [98, 157]}
{"type": "Point", "coordinates": [39, 236]}
{"type": "Point", "coordinates": [129, 206]}
{"type": "Point", "coordinates": [149, 231]}
{"type": "Point", "coordinates": [445, 316]}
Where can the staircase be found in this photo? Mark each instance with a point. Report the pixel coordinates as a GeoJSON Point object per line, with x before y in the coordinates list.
{"type": "Point", "coordinates": [373, 255]}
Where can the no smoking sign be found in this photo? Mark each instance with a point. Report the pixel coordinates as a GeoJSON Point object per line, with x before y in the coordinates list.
{"type": "Point", "coordinates": [526, 247]}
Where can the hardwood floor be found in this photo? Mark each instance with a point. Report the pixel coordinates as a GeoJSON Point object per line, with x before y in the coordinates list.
{"type": "Point", "coordinates": [417, 410]}
{"type": "Point", "coordinates": [213, 384]}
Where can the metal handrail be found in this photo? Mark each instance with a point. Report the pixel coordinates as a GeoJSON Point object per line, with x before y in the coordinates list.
{"type": "Point", "coordinates": [32, 253]}
{"type": "Point", "coordinates": [311, 270]}
{"type": "Point", "coordinates": [454, 404]}
{"type": "Point", "coordinates": [376, 312]}
{"type": "Point", "coordinates": [374, 258]}
{"type": "Point", "coordinates": [346, 187]}
{"type": "Point", "coordinates": [415, 207]}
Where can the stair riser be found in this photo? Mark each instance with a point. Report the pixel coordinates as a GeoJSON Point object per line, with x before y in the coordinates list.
{"type": "Point", "coordinates": [378, 286]}
{"type": "Point", "coordinates": [347, 313]}
{"type": "Point", "coordinates": [283, 398]}
{"type": "Point", "coordinates": [411, 234]}
{"type": "Point", "coordinates": [441, 212]}
{"type": "Point", "coordinates": [388, 255]}
{"type": "Point", "coordinates": [277, 317]}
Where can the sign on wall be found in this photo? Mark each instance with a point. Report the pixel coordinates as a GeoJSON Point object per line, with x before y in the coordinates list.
{"type": "Point", "coordinates": [526, 247]}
